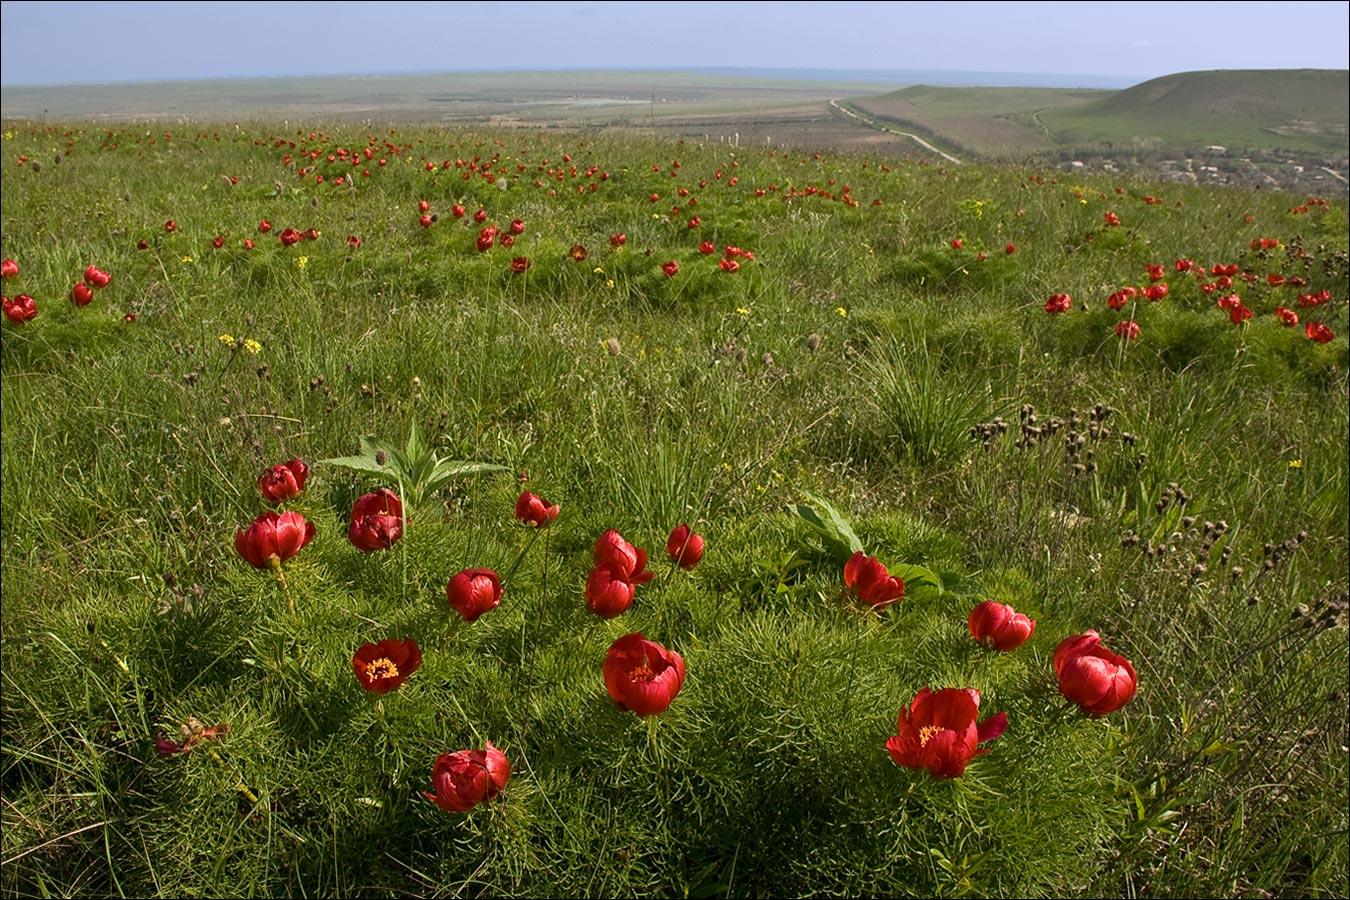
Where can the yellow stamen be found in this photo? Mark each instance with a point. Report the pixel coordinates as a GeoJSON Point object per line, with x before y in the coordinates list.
{"type": "Point", "coordinates": [928, 732]}
{"type": "Point", "coordinates": [381, 668]}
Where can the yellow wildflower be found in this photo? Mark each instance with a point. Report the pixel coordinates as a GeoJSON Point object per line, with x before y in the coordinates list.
{"type": "Point", "coordinates": [252, 346]}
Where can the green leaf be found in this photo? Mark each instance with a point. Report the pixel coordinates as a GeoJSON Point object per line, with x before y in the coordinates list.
{"type": "Point", "coordinates": [840, 539]}
{"type": "Point", "coordinates": [917, 578]}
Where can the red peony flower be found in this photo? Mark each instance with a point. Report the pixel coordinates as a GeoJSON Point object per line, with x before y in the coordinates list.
{"type": "Point", "coordinates": [999, 626]}
{"type": "Point", "coordinates": [1287, 317]}
{"type": "Point", "coordinates": [284, 481]}
{"type": "Point", "coordinates": [466, 778]}
{"type": "Point", "coordinates": [20, 309]}
{"type": "Point", "coordinates": [423, 206]}
{"type": "Point", "coordinates": [1319, 333]}
{"type": "Point", "coordinates": [480, 217]}
{"type": "Point", "coordinates": [264, 226]}
{"type": "Point", "coordinates": [578, 253]}
{"type": "Point", "coordinates": [383, 667]}
{"type": "Point", "coordinates": [618, 240]}
{"type": "Point", "coordinates": [535, 510]}
{"type": "Point", "coordinates": [517, 226]}
{"type": "Point", "coordinates": [96, 277]}
{"type": "Point", "coordinates": [520, 264]}
{"type": "Point", "coordinates": [1093, 677]}
{"type": "Point", "coordinates": [729, 265]}
{"type": "Point", "coordinates": [486, 238]}
{"type": "Point", "coordinates": [457, 211]}
{"type": "Point", "coordinates": [273, 537]}
{"type": "Point", "coordinates": [288, 237]}
{"type": "Point", "coordinates": [9, 269]}
{"type": "Point", "coordinates": [353, 241]}
{"type": "Point", "coordinates": [1155, 291]}
{"type": "Point", "coordinates": [1129, 329]}
{"type": "Point", "coordinates": [472, 592]}
{"type": "Point", "coordinates": [171, 226]}
{"type": "Point", "coordinates": [1058, 303]}
{"type": "Point", "coordinates": [684, 548]}
{"type": "Point", "coordinates": [939, 733]}
{"type": "Point", "coordinates": [867, 579]}
{"type": "Point", "coordinates": [80, 294]}
{"type": "Point", "coordinates": [707, 247]}
{"type": "Point", "coordinates": [641, 675]}
{"type": "Point", "coordinates": [957, 243]}
{"type": "Point", "coordinates": [1111, 219]}
{"type": "Point", "coordinates": [1010, 249]}
{"type": "Point", "coordinates": [377, 521]}
{"type": "Point", "coordinates": [1121, 298]}
{"type": "Point", "coordinates": [670, 267]}
{"type": "Point", "coordinates": [1239, 314]}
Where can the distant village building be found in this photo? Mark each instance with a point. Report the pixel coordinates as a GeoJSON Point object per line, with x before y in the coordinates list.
{"type": "Point", "coordinates": [1216, 149]}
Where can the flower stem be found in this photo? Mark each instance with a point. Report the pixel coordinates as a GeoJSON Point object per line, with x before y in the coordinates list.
{"type": "Point", "coordinates": [290, 603]}
{"type": "Point", "coordinates": [515, 564]}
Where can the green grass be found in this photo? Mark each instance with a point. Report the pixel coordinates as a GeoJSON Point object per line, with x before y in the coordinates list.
{"type": "Point", "coordinates": [858, 357]}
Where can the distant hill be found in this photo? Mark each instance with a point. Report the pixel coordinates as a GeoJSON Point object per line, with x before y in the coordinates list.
{"type": "Point", "coordinates": [1305, 110]}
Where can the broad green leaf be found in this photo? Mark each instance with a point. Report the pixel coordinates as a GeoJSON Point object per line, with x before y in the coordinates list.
{"type": "Point", "coordinates": [839, 536]}
{"type": "Point", "coordinates": [916, 578]}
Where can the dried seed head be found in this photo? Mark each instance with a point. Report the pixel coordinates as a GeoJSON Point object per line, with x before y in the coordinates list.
{"type": "Point", "coordinates": [813, 342]}
{"type": "Point", "coordinates": [612, 346]}
{"type": "Point", "coordinates": [382, 456]}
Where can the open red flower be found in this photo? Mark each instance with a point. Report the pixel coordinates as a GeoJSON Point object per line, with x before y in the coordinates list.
{"type": "Point", "coordinates": [520, 264]}
{"type": "Point", "coordinates": [458, 211]}
{"type": "Point", "coordinates": [80, 294]}
{"type": "Point", "coordinates": [867, 579]}
{"type": "Point", "coordinates": [729, 265]}
{"type": "Point", "coordinates": [473, 592]}
{"type": "Point", "coordinates": [288, 237]}
{"type": "Point", "coordinates": [1093, 677]}
{"type": "Point", "coordinates": [1238, 314]}
{"type": "Point", "coordinates": [1058, 303]}
{"type": "Point", "coordinates": [517, 226]}
{"type": "Point", "coordinates": [1128, 329]}
{"type": "Point", "coordinates": [578, 252]}
{"type": "Point", "coordinates": [1287, 317]}
{"type": "Point", "coordinates": [486, 238]}
{"type": "Point", "coordinates": [535, 510]}
{"type": "Point", "coordinates": [20, 309]}
{"type": "Point", "coordinates": [1155, 272]}
{"type": "Point", "coordinates": [1319, 333]}
{"type": "Point", "coordinates": [273, 537]}
{"type": "Point", "coordinates": [466, 778]}
{"type": "Point", "coordinates": [939, 733]}
{"type": "Point", "coordinates": [171, 226]}
{"type": "Point", "coordinates": [377, 521]}
{"type": "Point", "coordinates": [1111, 219]}
{"type": "Point", "coordinates": [383, 667]}
{"type": "Point", "coordinates": [670, 267]}
{"type": "Point", "coordinates": [1120, 298]}
{"type": "Point", "coordinates": [9, 269]}
{"type": "Point", "coordinates": [480, 217]}
{"type": "Point", "coordinates": [1155, 291]}
{"type": "Point", "coordinates": [999, 626]}
{"type": "Point", "coordinates": [283, 481]}
{"type": "Point", "coordinates": [264, 226]}
{"type": "Point", "coordinates": [618, 240]}
{"type": "Point", "coordinates": [684, 548]}
{"type": "Point", "coordinates": [641, 675]}
{"type": "Point", "coordinates": [957, 243]}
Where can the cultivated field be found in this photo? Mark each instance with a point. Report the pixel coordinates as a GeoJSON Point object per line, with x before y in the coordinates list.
{"type": "Point", "coordinates": [892, 398]}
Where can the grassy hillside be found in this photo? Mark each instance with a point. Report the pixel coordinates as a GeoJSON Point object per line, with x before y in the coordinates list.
{"type": "Point", "coordinates": [984, 122]}
{"type": "Point", "coordinates": [804, 356]}
{"type": "Point", "coordinates": [1301, 110]}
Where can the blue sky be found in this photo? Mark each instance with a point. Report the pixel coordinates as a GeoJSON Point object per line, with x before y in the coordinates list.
{"type": "Point", "coordinates": [55, 42]}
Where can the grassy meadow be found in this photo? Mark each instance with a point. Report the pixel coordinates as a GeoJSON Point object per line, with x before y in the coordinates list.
{"type": "Point", "coordinates": [880, 349]}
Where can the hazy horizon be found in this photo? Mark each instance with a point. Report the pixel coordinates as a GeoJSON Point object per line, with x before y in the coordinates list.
{"type": "Point", "coordinates": [1109, 44]}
